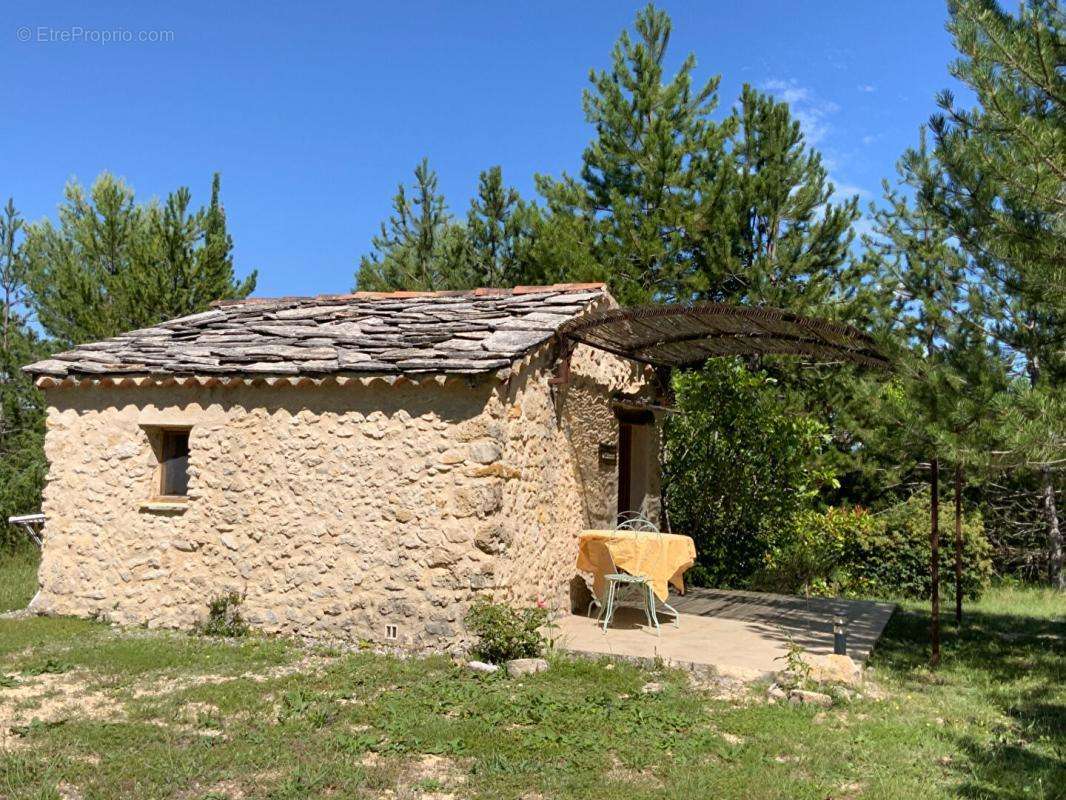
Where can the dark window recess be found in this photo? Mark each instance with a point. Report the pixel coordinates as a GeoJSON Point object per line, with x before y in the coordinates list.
{"type": "Point", "coordinates": [175, 464]}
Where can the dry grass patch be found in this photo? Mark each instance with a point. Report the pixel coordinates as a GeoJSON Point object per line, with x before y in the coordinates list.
{"type": "Point", "coordinates": [424, 777]}
{"type": "Point", "coordinates": [619, 772]}
{"type": "Point", "coordinates": [51, 698]}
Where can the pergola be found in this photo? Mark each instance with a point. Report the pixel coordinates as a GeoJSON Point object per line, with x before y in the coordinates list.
{"type": "Point", "coordinates": [670, 337]}
{"type": "Point", "coordinates": [685, 336]}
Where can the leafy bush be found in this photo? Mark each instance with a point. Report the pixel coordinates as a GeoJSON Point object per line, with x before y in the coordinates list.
{"type": "Point", "coordinates": [740, 463]}
{"type": "Point", "coordinates": [892, 558]}
{"type": "Point", "coordinates": [810, 559]}
{"type": "Point", "coordinates": [504, 633]}
{"type": "Point", "coordinates": [850, 551]}
{"type": "Point", "coordinates": [22, 462]}
{"type": "Point", "coordinates": [224, 617]}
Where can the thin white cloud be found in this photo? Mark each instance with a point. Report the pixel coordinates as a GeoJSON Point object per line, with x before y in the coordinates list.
{"type": "Point", "coordinates": [848, 189]}
{"type": "Point", "coordinates": [870, 138]}
{"type": "Point", "coordinates": [789, 91]}
{"type": "Point", "coordinates": [814, 115]}
{"type": "Point", "coordinates": [867, 87]}
{"type": "Point", "coordinates": [863, 226]}
{"type": "Point", "coordinates": [811, 111]}
{"type": "Point", "coordinates": [845, 191]}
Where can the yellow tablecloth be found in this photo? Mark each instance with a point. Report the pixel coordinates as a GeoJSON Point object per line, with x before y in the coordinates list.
{"type": "Point", "coordinates": [662, 558]}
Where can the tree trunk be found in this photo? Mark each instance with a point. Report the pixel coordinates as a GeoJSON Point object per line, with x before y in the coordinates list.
{"type": "Point", "coordinates": [958, 544]}
{"type": "Point", "coordinates": [7, 312]}
{"type": "Point", "coordinates": [934, 560]}
{"type": "Point", "coordinates": [1054, 533]}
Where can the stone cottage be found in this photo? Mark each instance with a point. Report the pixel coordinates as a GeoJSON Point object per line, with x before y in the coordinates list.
{"type": "Point", "coordinates": [357, 466]}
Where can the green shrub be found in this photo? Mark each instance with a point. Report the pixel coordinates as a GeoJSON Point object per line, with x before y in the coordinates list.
{"type": "Point", "coordinates": [854, 552]}
{"type": "Point", "coordinates": [503, 632]}
{"type": "Point", "coordinates": [892, 558]}
{"type": "Point", "coordinates": [224, 617]}
{"type": "Point", "coordinates": [810, 558]}
{"type": "Point", "coordinates": [741, 461]}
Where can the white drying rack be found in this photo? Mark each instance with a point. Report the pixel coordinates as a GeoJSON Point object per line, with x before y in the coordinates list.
{"type": "Point", "coordinates": [31, 523]}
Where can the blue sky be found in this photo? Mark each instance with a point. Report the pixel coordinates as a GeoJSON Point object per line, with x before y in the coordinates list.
{"type": "Point", "coordinates": [313, 112]}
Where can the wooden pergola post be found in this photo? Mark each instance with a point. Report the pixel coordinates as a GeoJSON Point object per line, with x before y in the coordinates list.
{"type": "Point", "coordinates": [934, 559]}
{"type": "Point", "coordinates": [958, 543]}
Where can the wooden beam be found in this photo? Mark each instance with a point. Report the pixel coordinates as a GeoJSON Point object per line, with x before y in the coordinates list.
{"type": "Point", "coordinates": [958, 544]}
{"type": "Point", "coordinates": [934, 560]}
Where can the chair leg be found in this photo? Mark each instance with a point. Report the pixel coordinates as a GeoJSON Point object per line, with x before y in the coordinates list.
{"type": "Point", "coordinates": [649, 606]}
{"type": "Point", "coordinates": [594, 602]}
{"type": "Point", "coordinates": [609, 611]}
{"type": "Point", "coordinates": [672, 610]}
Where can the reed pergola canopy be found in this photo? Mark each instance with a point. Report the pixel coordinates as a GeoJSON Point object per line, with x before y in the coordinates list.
{"type": "Point", "coordinates": [686, 336]}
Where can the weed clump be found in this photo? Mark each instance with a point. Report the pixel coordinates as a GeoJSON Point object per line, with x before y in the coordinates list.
{"type": "Point", "coordinates": [224, 617]}
{"type": "Point", "coordinates": [504, 633]}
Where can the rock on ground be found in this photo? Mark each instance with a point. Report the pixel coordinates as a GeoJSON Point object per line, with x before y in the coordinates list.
{"type": "Point", "coordinates": [775, 692]}
{"type": "Point", "coordinates": [526, 666]}
{"type": "Point", "coordinates": [835, 669]}
{"type": "Point", "coordinates": [803, 697]}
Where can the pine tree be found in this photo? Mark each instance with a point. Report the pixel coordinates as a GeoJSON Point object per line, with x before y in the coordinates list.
{"type": "Point", "coordinates": [191, 256]}
{"type": "Point", "coordinates": [499, 228]}
{"type": "Point", "coordinates": [999, 193]}
{"type": "Point", "coordinates": [562, 237]}
{"type": "Point", "coordinates": [674, 206]}
{"type": "Point", "coordinates": [939, 406]}
{"type": "Point", "coordinates": [422, 247]}
{"type": "Point", "coordinates": [788, 244]}
{"type": "Point", "coordinates": [670, 204]}
{"type": "Point", "coordinates": [951, 377]}
{"type": "Point", "coordinates": [419, 248]}
{"type": "Point", "coordinates": [112, 265]}
{"type": "Point", "coordinates": [12, 270]}
{"type": "Point", "coordinates": [656, 147]}
{"type": "Point", "coordinates": [22, 464]}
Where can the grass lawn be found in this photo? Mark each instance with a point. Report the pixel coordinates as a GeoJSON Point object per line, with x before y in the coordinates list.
{"type": "Point", "coordinates": [92, 712]}
{"type": "Point", "coordinates": [18, 577]}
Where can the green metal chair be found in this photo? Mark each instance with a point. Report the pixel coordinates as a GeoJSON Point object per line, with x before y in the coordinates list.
{"type": "Point", "coordinates": [635, 522]}
{"type": "Point", "coordinates": [615, 579]}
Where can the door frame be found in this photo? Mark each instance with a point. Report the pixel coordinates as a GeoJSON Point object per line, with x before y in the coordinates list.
{"type": "Point", "coordinates": [628, 419]}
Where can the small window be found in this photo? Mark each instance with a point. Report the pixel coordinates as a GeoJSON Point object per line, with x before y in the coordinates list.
{"type": "Point", "coordinates": [174, 463]}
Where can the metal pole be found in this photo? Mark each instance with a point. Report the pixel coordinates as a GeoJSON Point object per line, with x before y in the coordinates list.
{"type": "Point", "coordinates": [665, 376]}
{"type": "Point", "coordinates": [958, 544]}
{"type": "Point", "coordinates": [934, 559]}
{"type": "Point", "coordinates": [840, 635]}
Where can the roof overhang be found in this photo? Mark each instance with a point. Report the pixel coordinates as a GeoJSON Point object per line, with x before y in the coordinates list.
{"type": "Point", "coordinates": [686, 336]}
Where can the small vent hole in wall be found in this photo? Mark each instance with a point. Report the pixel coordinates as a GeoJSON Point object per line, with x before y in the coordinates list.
{"type": "Point", "coordinates": [390, 631]}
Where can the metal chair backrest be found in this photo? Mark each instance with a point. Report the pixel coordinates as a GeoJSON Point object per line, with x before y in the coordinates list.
{"type": "Point", "coordinates": [635, 521]}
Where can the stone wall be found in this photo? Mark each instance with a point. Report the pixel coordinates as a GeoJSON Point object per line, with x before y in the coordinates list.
{"type": "Point", "coordinates": [554, 438]}
{"type": "Point", "coordinates": [335, 510]}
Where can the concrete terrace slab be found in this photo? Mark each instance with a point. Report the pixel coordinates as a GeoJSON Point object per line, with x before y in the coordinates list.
{"type": "Point", "coordinates": [730, 632]}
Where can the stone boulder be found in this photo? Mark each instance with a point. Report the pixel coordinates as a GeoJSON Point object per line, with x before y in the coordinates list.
{"type": "Point", "coordinates": [525, 666]}
{"type": "Point", "coordinates": [835, 669]}
{"type": "Point", "coordinates": [802, 697]}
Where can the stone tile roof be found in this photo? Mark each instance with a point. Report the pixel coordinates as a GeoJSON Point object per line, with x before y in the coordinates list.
{"type": "Point", "coordinates": [366, 332]}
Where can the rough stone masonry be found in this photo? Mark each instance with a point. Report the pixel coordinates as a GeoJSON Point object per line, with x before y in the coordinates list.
{"type": "Point", "coordinates": [339, 503]}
